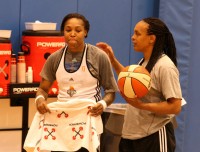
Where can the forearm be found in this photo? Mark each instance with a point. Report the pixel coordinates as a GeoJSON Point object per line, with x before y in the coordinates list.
{"type": "Point", "coordinates": [109, 98]}
{"type": "Point", "coordinates": [42, 95]}
{"type": "Point", "coordinates": [116, 65]}
{"type": "Point", "coordinates": [41, 92]}
{"type": "Point", "coordinates": [44, 89]}
{"type": "Point", "coordinates": [102, 104]}
{"type": "Point", "coordinates": [171, 106]}
{"type": "Point", "coordinates": [165, 107]}
{"type": "Point", "coordinates": [162, 108]}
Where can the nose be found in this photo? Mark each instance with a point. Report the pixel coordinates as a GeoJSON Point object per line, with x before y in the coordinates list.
{"type": "Point", "coordinates": [132, 37]}
{"type": "Point", "coordinates": [73, 33]}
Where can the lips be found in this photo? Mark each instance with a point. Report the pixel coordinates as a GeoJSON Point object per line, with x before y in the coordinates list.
{"type": "Point", "coordinates": [72, 39]}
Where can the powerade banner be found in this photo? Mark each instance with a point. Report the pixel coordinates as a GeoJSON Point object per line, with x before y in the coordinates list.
{"type": "Point", "coordinates": [23, 89]}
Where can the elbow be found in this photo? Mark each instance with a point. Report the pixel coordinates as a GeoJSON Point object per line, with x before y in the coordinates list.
{"type": "Point", "coordinates": [177, 110]}
{"type": "Point", "coordinates": [175, 106]}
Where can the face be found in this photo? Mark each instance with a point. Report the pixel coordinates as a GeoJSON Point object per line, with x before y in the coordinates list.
{"type": "Point", "coordinates": [74, 33]}
{"type": "Point", "coordinates": [141, 41]}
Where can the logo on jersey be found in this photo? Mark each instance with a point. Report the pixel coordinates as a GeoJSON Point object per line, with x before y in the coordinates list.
{"type": "Point", "coordinates": [71, 79]}
{"type": "Point", "coordinates": [71, 91]}
{"type": "Point", "coordinates": [83, 68]}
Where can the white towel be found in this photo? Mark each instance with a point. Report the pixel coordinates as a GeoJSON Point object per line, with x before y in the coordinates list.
{"type": "Point", "coordinates": [67, 128]}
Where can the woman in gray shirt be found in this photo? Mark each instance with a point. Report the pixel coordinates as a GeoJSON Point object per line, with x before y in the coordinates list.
{"type": "Point", "coordinates": [147, 123]}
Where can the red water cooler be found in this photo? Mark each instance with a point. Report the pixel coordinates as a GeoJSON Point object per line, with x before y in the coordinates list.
{"type": "Point", "coordinates": [38, 45]}
{"type": "Point", "coordinates": [5, 59]}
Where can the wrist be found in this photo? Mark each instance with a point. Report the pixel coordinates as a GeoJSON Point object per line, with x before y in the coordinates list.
{"type": "Point", "coordinates": [38, 97]}
{"type": "Point", "coordinates": [112, 60]}
{"type": "Point", "coordinates": [103, 103]}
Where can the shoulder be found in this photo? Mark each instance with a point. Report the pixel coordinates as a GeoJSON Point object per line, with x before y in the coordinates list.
{"type": "Point", "coordinates": [96, 52]}
{"type": "Point", "coordinates": [49, 69]}
{"type": "Point", "coordinates": [165, 65]}
{"type": "Point", "coordinates": [55, 55]}
{"type": "Point", "coordinates": [54, 59]}
{"type": "Point", "coordinates": [165, 62]}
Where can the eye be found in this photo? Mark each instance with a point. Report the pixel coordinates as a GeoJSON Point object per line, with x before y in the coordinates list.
{"type": "Point", "coordinates": [137, 33]}
{"type": "Point", "coordinates": [67, 30]}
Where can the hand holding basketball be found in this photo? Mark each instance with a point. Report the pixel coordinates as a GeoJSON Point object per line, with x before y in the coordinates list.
{"type": "Point", "coordinates": [134, 81]}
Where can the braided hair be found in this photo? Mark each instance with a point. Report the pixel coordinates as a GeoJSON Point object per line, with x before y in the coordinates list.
{"type": "Point", "coordinates": [164, 41]}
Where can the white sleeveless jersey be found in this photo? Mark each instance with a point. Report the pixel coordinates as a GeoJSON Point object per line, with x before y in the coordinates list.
{"type": "Point", "coordinates": [79, 84]}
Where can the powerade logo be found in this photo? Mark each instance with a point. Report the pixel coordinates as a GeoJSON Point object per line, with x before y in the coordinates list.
{"type": "Point", "coordinates": [5, 52]}
{"type": "Point", "coordinates": [25, 90]}
{"type": "Point", "coordinates": [51, 44]}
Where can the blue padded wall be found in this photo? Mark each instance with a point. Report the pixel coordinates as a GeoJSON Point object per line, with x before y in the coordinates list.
{"type": "Point", "coordinates": [182, 18]}
{"type": "Point", "coordinates": [10, 19]}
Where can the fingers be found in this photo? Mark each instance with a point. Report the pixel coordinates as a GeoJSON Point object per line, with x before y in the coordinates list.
{"type": "Point", "coordinates": [104, 46]}
{"type": "Point", "coordinates": [46, 109]}
{"type": "Point", "coordinates": [96, 110]}
{"type": "Point", "coordinates": [43, 108]}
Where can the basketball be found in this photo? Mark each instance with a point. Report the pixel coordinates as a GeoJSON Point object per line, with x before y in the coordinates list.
{"type": "Point", "coordinates": [133, 81]}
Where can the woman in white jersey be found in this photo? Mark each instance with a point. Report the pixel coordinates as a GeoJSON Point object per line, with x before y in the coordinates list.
{"type": "Point", "coordinates": [80, 69]}
{"type": "Point", "coordinates": [147, 122]}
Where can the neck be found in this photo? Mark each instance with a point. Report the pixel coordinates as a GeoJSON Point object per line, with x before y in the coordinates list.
{"type": "Point", "coordinates": [147, 54]}
{"type": "Point", "coordinates": [76, 49]}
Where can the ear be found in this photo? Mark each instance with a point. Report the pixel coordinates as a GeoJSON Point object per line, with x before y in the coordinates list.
{"type": "Point", "coordinates": [85, 33]}
{"type": "Point", "coordinates": [152, 39]}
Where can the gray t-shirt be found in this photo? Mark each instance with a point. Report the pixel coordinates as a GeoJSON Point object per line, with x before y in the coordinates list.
{"type": "Point", "coordinates": [165, 84]}
{"type": "Point", "coordinates": [97, 61]}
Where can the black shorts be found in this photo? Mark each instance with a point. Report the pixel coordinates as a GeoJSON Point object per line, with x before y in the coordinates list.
{"type": "Point", "coordinates": [161, 141]}
{"type": "Point", "coordinates": [80, 150]}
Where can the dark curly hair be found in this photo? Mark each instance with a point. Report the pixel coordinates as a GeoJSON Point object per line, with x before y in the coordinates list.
{"type": "Point", "coordinates": [78, 16]}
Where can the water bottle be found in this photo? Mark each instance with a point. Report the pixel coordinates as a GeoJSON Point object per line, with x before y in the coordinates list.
{"type": "Point", "coordinates": [13, 69]}
{"type": "Point", "coordinates": [30, 75]}
{"type": "Point", "coordinates": [21, 68]}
